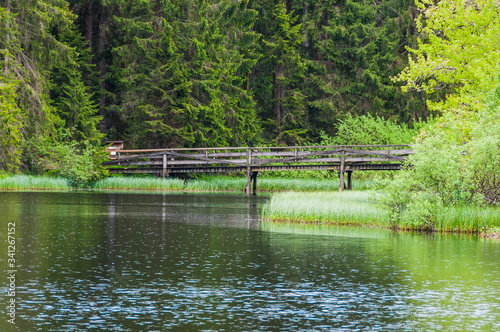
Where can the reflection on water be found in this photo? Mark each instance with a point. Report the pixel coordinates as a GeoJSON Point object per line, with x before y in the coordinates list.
{"type": "Point", "coordinates": [155, 262]}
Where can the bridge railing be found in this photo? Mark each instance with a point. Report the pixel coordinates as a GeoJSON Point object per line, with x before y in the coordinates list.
{"type": "Point", "coordinates": [260, 156]}
{"type": "Point", "coordinates": [251, 160]}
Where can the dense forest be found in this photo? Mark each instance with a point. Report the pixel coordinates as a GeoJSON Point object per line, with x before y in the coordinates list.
{"type": "Point", "coordinates": [169, 73]}
{"type": "Point", "coordinates": [192, 73]}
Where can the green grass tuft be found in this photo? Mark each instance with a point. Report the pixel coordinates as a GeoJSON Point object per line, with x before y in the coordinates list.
{"type": "Point", "coordinates": [360, 208]}
{"type": "Point", "coordinates": [136, 183]}
{"type": "Point", "coordinates": [325, 207]}
{"type": "Point", "coordinates": [469, 219]}
{"type": "Point", "coordinates": [227, 183]}
{"type": "Point", "coordinates": [29, 182]}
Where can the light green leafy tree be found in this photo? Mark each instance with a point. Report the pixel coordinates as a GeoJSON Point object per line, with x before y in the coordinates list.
{"type": "Point", "coordinates": [461, 50]}
{"type": "Point", "coordinates": [456, 160]}
{"type": "Point", "coordinates": [10, 128]}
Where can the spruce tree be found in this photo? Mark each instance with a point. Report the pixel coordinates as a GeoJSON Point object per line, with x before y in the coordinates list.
{"type": "Point", "coordinates": [279, 76]}
{"type": "Point", "coordinates": [355, 48]}
{"type": "Point", "coordinates": [180, 75]}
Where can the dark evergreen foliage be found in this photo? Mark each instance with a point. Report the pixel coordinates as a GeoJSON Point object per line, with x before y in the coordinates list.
{"type": "Point", "coordinates": [189, 73]}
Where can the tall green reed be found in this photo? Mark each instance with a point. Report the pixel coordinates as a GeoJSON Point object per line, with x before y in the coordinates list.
{"type": "Point", "coordinates": [325, 207]}
{"type": "Point", "coordinates": [30, 182]}
{"type": "Point", "coordinates": [137, 183]}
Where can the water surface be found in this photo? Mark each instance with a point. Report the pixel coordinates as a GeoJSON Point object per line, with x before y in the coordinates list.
{"type": "Point", "coordinates": [91, 261]}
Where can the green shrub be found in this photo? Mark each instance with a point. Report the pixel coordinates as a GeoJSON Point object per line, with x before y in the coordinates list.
{"type": "Point", "coordinates": [80, 163]}
{"type": "Point", "coordinates": [456, 163]}
{"type": "Point", "coordinates": [369, 130]}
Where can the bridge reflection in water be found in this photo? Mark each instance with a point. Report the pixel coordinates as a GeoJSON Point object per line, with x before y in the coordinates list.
{"type": "Point", "coordinates": [252, 160]}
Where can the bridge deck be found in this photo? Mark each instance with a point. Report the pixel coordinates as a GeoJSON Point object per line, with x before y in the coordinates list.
{"type": "Point", "coordinates": [163, 162]}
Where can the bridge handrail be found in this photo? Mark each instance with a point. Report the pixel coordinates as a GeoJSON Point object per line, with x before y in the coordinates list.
{"type": "Point", "coordinates": [263, 148]}
{"type": "Point", "coordinates": [252, 160]}
{"type": "Point", "coordinates": [251, 156]}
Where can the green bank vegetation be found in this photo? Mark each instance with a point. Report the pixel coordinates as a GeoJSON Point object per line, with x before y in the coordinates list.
{"type": "Point", "coordinates": [220, 183]}
{"type": "Point", "coordinates": [363, 208]}
{"type": "Point", "coordinates": [325, 207]}
{"type": "Point", "coordinates": [30, 182]}
{"type": "Point", "coordinates": [138, 183]}
{"type": "Point", "coordinates": [203, 183]}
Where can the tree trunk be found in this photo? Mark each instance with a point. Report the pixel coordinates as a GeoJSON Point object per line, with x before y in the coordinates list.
{"type": "Point", "coordinates": [89, 24]}
{"type": "Point", "coordinates": [101, 67]}
{"type": "Point", "coordinates": [277, 97]}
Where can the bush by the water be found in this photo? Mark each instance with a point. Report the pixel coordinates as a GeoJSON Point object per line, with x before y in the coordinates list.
{"type": "Point", "coordinates": [456, 165]}
{"type": "Point", "coordinates": [79, 162]}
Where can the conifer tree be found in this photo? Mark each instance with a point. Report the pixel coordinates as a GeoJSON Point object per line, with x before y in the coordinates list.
{"type": "Point", "coordinates": [39, 47]}
{"type": "Point", "coordinates": [181, 79]}
{"type": "Point", "coordinates": [355, 48]}
{"type": "Point", "coordinates": [280, 74]}
{"type": "Point", "coordinates": [71, 98]}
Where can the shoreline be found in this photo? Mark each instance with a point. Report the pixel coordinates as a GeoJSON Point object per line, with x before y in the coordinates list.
{"type": "Point", "coordinates": [490, 234]}
{"type": "Point", "coordinates": [297, 201]}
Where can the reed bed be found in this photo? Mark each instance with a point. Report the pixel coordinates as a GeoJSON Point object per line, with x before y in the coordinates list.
{"type": "Point", "coordinates": [325, 207]}
{"type": "Point", "coordinates": [468, 219]}
{"type": "Point", "coordinates": [227, 183]}
{"type": "Point", "coordinates": [216, 183]}
{"type": "Point", "coordinates": [209, 183]}
{"type": "Point", "coordinates": [30, 182]}
{"type": "Point", "coordinates": [136, 183]}
{"type": "Point", "coordinates": [359, 208]}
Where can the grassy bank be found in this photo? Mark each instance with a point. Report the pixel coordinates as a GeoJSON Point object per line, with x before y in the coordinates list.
{"type": "Point", "coordinates": [348, 207]}
{"type": "Point", "coordinates": [359, 208]}
{"type": "Point", "coordinates": [221, 183]}
{"type": "Point", "coordinates": [204, 183]}
{"type": "Point", "coordinates": [133, 183]}
{"type": "Point", "coordinates": [29, 182]}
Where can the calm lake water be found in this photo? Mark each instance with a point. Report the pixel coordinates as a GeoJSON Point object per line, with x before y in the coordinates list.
{"type": "Point", "coordinates": [91, 261]}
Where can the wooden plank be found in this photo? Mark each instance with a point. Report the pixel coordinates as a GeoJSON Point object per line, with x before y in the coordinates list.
{"type": "Point", "coordinates": [249, 171]}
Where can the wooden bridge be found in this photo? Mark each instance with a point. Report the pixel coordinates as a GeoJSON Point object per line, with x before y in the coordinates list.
{"type": "Point", "coordinates": [252, 160]}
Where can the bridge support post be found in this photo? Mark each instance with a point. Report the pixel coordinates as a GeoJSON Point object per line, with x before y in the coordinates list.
{"type": "Point", "coordinates": [349, 180]}
{"type": "Point", "coordinates": [254, 178]}
{"type": "Point", "coordinates": [249, 182]}
{"type": "Point", "coordinates": [341, 172]}
{"type": "Point", "coordinates": [249, 171]}
{"type": "Point", "coordinates": [164, 172]}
